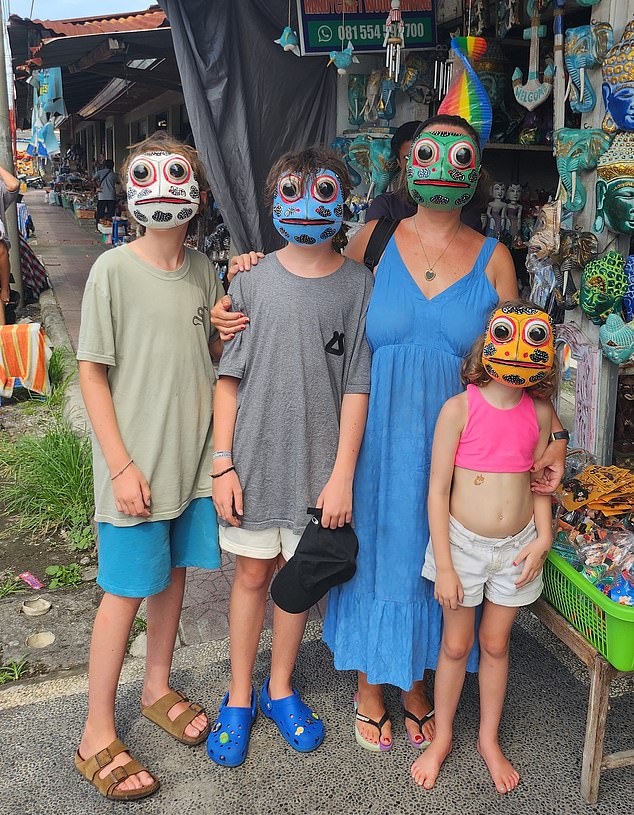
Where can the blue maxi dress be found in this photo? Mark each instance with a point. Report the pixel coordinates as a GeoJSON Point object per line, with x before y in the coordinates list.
{"type": "Point", "coordinates": [385, 622]}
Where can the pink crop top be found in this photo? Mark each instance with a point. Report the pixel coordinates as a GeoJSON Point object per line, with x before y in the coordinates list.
{"type": "Point", "coordinates": [496, 440]}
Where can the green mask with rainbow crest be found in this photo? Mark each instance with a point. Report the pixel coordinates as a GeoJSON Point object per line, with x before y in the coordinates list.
{"type": "Point", "coordinates": [443, 169]}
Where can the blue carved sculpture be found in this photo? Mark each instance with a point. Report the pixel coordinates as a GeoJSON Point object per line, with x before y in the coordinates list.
{"type": "Point", "coordinates": [586, 46]}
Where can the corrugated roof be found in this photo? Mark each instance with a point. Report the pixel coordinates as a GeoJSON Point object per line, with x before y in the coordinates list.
{"type": "Point", "coordinates": [153, 17]}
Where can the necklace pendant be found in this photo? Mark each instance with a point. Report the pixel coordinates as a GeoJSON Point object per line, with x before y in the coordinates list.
{"type": "Point", "coordinates": [430, 274]}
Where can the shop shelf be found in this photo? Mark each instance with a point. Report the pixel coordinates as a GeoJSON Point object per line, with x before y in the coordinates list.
{"type": "Point", "coordinates": [607, 625]}
{"type": "Point", "coordinates": [527, 148]}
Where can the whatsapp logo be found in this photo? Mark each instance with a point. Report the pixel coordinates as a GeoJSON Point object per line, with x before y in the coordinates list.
{"type": "Point", "coordinates": [324, 34]}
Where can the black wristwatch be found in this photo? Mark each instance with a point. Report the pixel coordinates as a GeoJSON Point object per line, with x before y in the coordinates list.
{"type": "Point", "coordinates": [559, 435]}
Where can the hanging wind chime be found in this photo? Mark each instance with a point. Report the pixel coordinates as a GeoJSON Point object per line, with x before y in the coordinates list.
{"type": "Point", "coordinates": [394, 41]}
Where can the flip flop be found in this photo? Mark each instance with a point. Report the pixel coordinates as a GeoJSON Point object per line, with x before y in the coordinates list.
{"type": "Point", "coordinates": [381, 747]}
{"type": "Point", "coordinates": [418, 745]}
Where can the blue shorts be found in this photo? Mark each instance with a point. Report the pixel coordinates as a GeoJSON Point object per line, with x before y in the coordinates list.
{"type": "Point", "coordinates": [135, 561]}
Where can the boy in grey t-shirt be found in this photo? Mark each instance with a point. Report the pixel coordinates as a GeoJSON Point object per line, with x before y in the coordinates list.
{"type": "Point", "coordinates": [290, 410]}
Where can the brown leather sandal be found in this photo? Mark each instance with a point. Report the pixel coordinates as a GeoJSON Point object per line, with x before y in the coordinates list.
{"type": "Point", "coordinates": [157, 713]}
{"type": "Point", "coordinates": [91, 767]}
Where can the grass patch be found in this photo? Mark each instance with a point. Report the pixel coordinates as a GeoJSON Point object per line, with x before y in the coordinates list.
{"type": "Point", "coordinates": [47, 480]}
{"type": "Point", "coordinates": [64, 577]}
{"type": "Point", "coordinates": [61, 369]}
{"type": "Point", "coordinates": [13, 670]}
{"type": "Point", "coordinates": [9, 584]}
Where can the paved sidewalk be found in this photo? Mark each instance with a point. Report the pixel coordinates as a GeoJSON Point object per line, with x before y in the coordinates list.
{"type": "Point", "coordinates": [542, 731]}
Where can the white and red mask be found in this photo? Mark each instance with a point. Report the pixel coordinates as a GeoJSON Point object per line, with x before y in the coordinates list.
{"type": "Point", "coordinates": [162, 190]}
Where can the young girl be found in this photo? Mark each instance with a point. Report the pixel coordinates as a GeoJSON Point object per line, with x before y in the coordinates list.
{"type": "Point", "coordinates": [490, 534]}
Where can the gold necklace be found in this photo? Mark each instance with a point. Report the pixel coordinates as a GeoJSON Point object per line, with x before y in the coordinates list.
{"type": "Point", "coordinates": [430, 274]}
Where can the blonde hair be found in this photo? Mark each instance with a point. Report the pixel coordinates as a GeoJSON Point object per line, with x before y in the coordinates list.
{"type": "Point", "coordinates": [473, 372]}
{"type": "Point", "coordinates": [161, 141]}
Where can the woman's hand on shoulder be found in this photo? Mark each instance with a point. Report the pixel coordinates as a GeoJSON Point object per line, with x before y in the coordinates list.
{"type": "Point", "coordinates": [242, 263]}
{"type": "Point", "coordinates": [502, 274]}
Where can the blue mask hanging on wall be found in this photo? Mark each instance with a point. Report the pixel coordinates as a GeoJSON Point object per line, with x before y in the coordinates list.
{"type": "Point", "coordinates": [308, 211]}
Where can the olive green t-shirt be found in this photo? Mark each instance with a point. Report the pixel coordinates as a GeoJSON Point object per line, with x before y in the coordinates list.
{"type": "Point", "coordinates": [152, 329]}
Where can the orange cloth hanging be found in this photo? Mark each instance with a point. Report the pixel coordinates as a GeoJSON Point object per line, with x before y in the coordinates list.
{"type": "Point", "coordinates": [24, 355]}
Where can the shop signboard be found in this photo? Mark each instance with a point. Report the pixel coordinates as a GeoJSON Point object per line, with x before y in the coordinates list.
{"type": "Point", "coordinates": [325, 24]}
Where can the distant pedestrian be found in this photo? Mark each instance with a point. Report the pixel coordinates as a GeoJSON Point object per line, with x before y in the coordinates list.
{"type": "Point", "coordinates": [147, 380]}
{"type": "Point", "coordinates": [9, 191]}
{"type": "Point", "coordinates": [106, 180]}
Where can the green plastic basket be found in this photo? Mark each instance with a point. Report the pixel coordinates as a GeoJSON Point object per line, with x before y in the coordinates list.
{"type": "Point", "coordinates": [607, 625]}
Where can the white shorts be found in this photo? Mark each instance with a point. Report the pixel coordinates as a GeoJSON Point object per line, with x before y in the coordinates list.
{"type": "Point", "coordinates": [485, 566]}
{"type": "Point", "coordinates": [263, 544]}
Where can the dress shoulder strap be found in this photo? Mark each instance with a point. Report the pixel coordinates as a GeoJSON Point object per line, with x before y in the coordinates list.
{"type": "Point", "coordinates": [482, 261]}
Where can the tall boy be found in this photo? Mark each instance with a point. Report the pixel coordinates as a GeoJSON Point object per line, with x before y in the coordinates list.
{"type": "Point", "coordinates": [290, 412]}
{"type": "Point", "coordinates": [147, 381]}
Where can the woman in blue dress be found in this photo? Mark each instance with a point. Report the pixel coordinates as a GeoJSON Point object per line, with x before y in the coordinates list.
{"type": "Point", "coordinates": [435, 285]}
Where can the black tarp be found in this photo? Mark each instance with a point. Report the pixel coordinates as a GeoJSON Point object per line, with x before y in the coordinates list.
{"type": "Point", "coordinates": [248, 102]}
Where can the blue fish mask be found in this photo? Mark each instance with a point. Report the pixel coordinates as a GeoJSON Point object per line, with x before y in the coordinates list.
{"type": "Point", "coordinates": [308, 212]}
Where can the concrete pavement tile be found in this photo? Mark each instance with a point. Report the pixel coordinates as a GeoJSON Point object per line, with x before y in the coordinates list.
{"type": "Point", "coordinates": [542, 731]}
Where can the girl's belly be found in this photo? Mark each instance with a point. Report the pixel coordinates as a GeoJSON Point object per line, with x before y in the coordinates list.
{"type": "Point", "coordinates": [494, 505]}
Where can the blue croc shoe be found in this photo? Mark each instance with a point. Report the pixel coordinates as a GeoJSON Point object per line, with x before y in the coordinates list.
{"type": "Point", "coordinates": [228, 742]}
{"type": "Point", "coordinates": [297, 723]}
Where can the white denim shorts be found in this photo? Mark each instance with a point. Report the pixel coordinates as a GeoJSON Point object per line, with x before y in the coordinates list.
{"type": "Point", "coordinates": [262, 544]}
{"type": "Point", "coordinates": [485, 566]}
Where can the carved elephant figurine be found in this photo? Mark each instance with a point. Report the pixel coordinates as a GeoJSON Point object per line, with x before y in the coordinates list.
{"type": "Point", "coordinates": [577, 150]}
{"type": "Point", "coordinates": [585, 47]}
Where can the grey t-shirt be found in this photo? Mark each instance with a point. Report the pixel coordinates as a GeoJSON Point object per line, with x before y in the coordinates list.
{"type": "Point", "coordinates": [106, 179]}
{"type": "Point", "coordinates": [303, 349]}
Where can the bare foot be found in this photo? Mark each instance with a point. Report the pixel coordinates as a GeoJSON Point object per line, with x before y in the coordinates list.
{"type": "Point", "coordinates": [417, 702]}
{"type": "Point", "coordinates": [193, 729]}
{"type": "Point", "coordinates": [504, 775]}
{"type": "Point", "coordinates": [372, 705]}
{"type": "Point", "coordinates": [427, 766]}
{"type": "Point", "coordinates": [93, 743]}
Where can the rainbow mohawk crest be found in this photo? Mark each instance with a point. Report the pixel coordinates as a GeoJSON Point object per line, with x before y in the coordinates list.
{"type": "Point", "coordinates": [466, 96]}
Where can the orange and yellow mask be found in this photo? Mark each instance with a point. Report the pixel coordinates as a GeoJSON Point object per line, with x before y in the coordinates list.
{"type": "Point", "coordinates": [519, 348]}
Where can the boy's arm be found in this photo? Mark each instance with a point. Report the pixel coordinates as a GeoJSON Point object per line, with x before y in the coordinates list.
{"type": "Point", "coordinates": [535, 553]}
{"type": "Point", "coordinates": [451, 421]}
{"type": "Point", "coordinates": [226, 492]}
{"type": "Point", "coordinates": [335, 499]}
{"type": "Point", "coordinates": [131, 490]}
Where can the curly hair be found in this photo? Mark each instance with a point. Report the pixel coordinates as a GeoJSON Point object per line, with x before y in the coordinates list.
{"type": "Point", "coordinates": [161, 141]}
{"type": "Point", "coordinates": [473, 372]}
